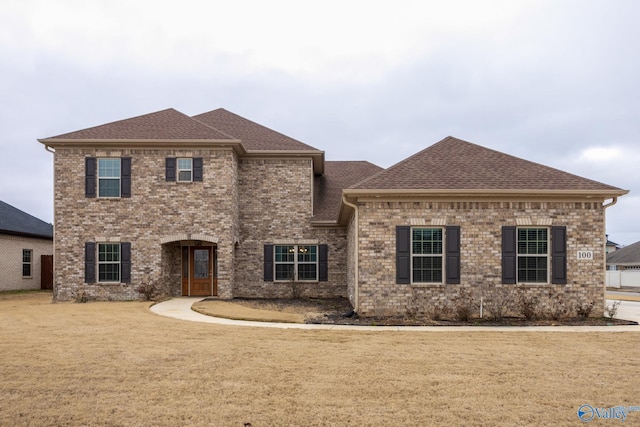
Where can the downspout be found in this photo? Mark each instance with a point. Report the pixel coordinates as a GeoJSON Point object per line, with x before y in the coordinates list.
{"type": "Point", "coordinates": [613, 202]}
{"type": "Point", "coordinates": [604, 250]}
{"type": "Point", "coordinates": [357, 256]}
{"type": "Point", "coordinates": [54, 288]}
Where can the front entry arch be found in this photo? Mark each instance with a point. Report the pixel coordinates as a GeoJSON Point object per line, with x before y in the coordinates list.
{"type": "Point", "coordinates": [199, 271]}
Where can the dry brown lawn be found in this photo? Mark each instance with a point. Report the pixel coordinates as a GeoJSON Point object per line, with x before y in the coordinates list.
{"type": "Point", "coordinates": [117, 364]}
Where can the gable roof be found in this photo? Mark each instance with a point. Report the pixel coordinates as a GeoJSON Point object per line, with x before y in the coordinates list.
{"type": "Point", "coordinates": [167, 124]}
{"type": "Point", "coordinates": [627, 255]}
{"type": "Point", "coordinates": [455, 165]}
{"type": "Point", "coordinates": [16, 222]}
{"type": "Point", "coordinates": [253, 135]}
{"type": "Point", "coordinates": [327, 188]}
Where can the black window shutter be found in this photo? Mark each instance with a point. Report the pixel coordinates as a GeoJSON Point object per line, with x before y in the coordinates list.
{"type": "Point", "coordinates": [403, 254]}
{"type": "Point", "coordinates": [90, 177]}
{"type": "Point", "coordinates": [453, 254]}
{"type": "Point", "coordinates": [125, 262]}
{"type": "Point", "coordinates": [125, 177]}
{"type": "Point", "coordinates": [559, 255]}
{"type": "Point", "coordinates": [509, 271]}
{"type": "Point", "coordinates": [323, 263]}
{"type": "Point", "coordinates": [197, 168]}
{"type": "Point", "coordinates": [170, 169]}
{"type": "Point", "coordinates": [90, 262]}
{"type": "Point", "coordinates": [268, 263]}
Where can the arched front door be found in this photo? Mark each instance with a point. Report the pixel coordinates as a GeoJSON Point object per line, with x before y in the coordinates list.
{"type": "Point", "coordinates": [198, 271]}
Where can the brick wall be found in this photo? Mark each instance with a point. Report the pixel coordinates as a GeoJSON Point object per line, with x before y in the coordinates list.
{"type": "Point", "coordinates": [11, 261]}
{"type": "Point", "coordinates": [156, 211]}
{"type": "Point", "coordinates": [275, 207]}
{"type": "Point", "coordinates": [240, 206]}
{"type": "Point", "coordinates": [481, 268]}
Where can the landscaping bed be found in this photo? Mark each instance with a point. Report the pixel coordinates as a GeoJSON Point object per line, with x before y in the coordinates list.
{"type": "Point", "coordinates": [338, 311]}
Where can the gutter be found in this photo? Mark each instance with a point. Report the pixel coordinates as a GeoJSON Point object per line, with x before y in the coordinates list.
{"type": "Point", "coordinates": [357, 255]}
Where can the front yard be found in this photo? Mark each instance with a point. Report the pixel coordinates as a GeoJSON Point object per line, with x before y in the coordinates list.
{"type": "Point", "coordinates": [117, 364]}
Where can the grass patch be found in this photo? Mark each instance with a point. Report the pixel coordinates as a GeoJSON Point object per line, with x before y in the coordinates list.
{"type": "Point", "coordinates": [117, 364]}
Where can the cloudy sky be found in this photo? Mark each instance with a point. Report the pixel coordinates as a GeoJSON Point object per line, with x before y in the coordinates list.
{"type": "Point", "coordinates": [556, 82]}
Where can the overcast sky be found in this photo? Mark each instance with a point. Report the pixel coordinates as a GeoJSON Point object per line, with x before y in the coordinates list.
{"type": "Point", "coordinates": [556, 82]}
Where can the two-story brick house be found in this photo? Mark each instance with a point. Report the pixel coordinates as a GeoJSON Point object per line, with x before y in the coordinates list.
{"type": "Point", "coordinates": [215, 204]}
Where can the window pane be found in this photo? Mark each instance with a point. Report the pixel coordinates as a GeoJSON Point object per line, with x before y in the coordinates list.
{"type": "Point", "coordinates": [108, 187]}
{"type": "Point", "coordinates": [201, 263]}
{"type": "Point", "coordinates": [109, 252]}
{"type": "Point", "coordinates": [184, 164]}
{"type": "Point", "coordinates": [185, 262]}
{"type": "Point", "coordinates": [26, 255]}
{"type": "Point", "coordinates": [109, 168]}
{"type": "Point", "coordinates": [532, 269]}
{"type": "Point", "coordinates": [427, 269]}
{"type": "Point", "coordinates": [285, 253]}
{"type": "Point", "coordinates": [532, 241]}
{"type": "Point", "coordinates": [426, 241]}
{"type": "Point", "coordinates": [307, 272]}
{"type": "Point", "coordinates": [184, 176]}
{"type": "Point", "coordinates": [284, 271]}
{"type": "Point", "coordinates": [26, 270]}
{"type": "Point", "coordinates": [109, 272]}
{"type": "Point", "coordinates": [307, 253]}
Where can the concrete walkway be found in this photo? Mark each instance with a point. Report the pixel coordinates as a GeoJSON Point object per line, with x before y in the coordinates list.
{"type": "Point", "coordinates": [180, 308]}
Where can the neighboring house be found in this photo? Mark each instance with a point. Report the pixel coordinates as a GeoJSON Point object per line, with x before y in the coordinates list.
{"type": "Point", "coordinates": [623, 267]}
{"type": "Point", "coordinates": [24, 240]}
{"type": "Point", "coordinates": [216, 204]}
{"type": "Point", "coordinates": [611, 246]}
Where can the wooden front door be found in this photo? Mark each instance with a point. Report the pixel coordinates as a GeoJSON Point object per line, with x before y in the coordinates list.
{"type": "Point", "coordinates": [198, 271]}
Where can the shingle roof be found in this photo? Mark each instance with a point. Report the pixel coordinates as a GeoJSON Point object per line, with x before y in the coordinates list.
{"type": "Point", "coordinates": [627, 255]}
{"type": "Point", "coordinates": [162, 125]}
{"type": "Point", "coordinates": [253, 135]}
{"type": "Point", "coordinates": [328, 187]}
{"type": "Point", "coordinates": [454, 164]}
{"type": "Point", "coordinates": [14, 221]}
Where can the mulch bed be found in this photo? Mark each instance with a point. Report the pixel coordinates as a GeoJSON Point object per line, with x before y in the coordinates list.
{"type": "Point", "coordinates": [338, 311]}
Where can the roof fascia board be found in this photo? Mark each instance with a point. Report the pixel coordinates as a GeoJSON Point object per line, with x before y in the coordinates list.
{"type": "Point", "coordinates": [145, 143]}
{"type": "Point", "coordinates": [26, 235]}
{"type": "Point", "coordinates": [316, 155]}
{"type": "Point", "coordinates": [483, 193]}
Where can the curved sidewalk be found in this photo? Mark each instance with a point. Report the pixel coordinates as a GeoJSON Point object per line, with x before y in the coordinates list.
{"type": "Point", "coordinates": [180, 308]}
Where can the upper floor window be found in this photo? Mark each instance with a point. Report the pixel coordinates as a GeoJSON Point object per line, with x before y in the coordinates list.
{"type": "Point", "coordinates": [426, 255]}
{"type": "Point", "coordinates": [27, 257]}
{"type": "Point", "coordinates": [533, 255]}
{"type": "Point", "coordinates": [109, 177]}
{"type": "Point", "coordinates": [185, 170]}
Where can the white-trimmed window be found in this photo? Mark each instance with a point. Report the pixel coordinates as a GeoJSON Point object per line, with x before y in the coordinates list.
{"type": "Point", "coordinates": [533, 255]}
{"type": "Point", "coordinates": [297, 262]}
{"type": "Point", "coordinates": [27, 263]}
{"type": "Point", "coordinates": [108, 262]}
{"type": "Point", "coordinates": [185, 169]}
{"type": "Point", "coordinates": [109, 177]}
{"type": "Point", "coordinates": [426, 255]}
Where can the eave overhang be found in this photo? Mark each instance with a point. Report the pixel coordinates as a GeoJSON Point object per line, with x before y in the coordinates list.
{"type": "Point", "coordinates": [317, 156]}
{"type": "Point", "coordinates": [234, 144]}
{"type": "Point", "coordinates": [532, 195]}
